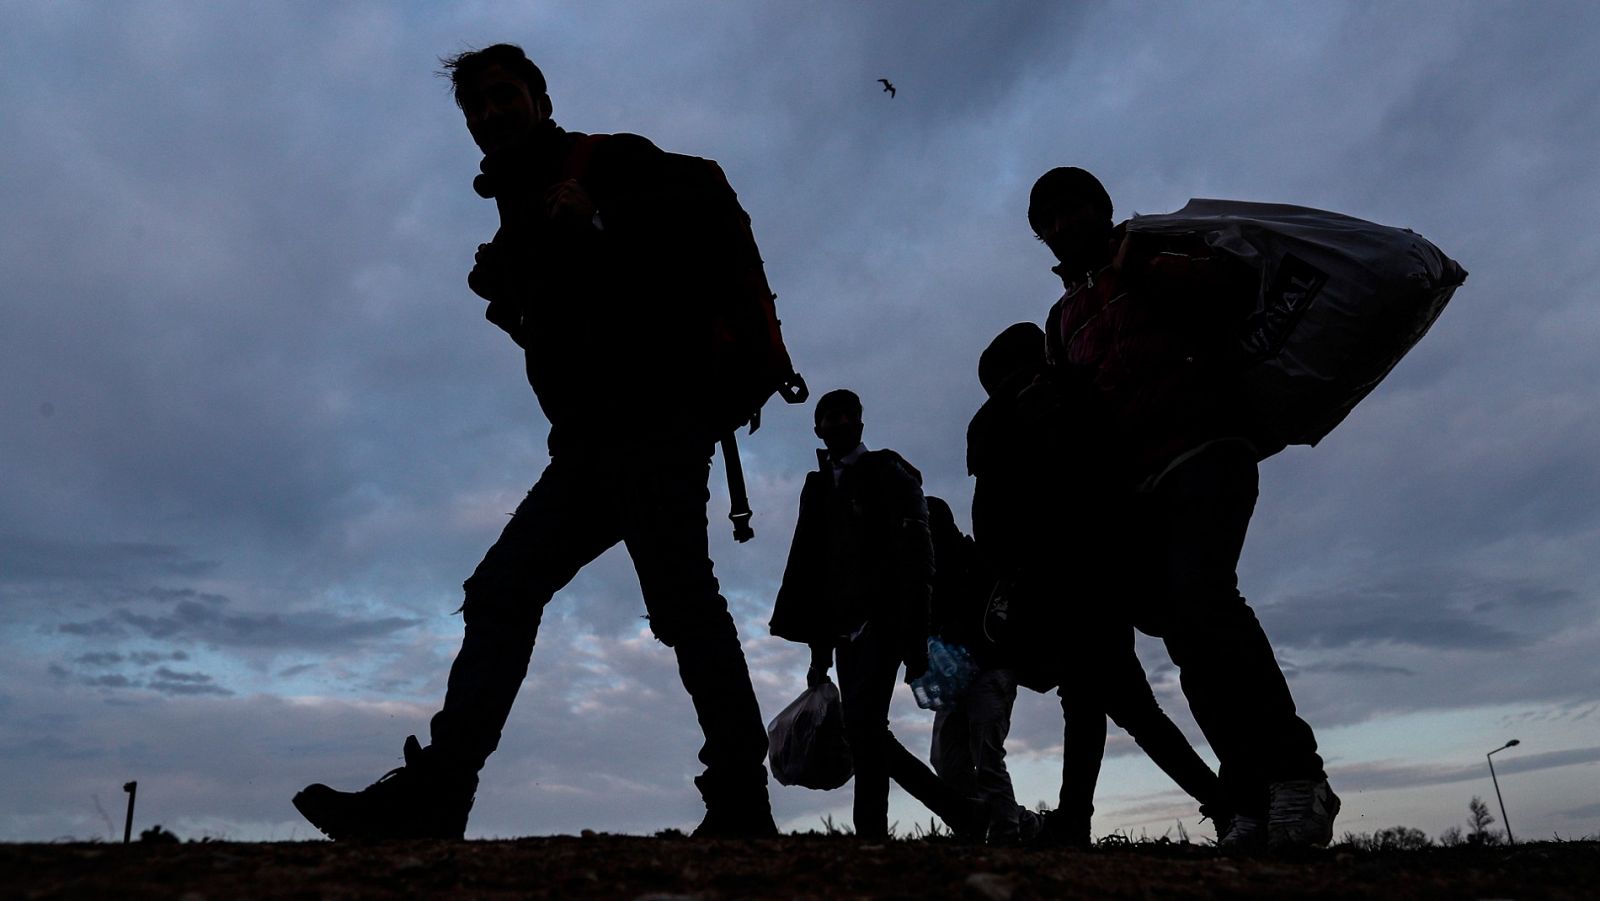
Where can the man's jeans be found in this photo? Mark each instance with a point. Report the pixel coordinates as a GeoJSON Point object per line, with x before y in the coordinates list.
{"type": "Point", "coordinates": [868, 666]}
{"type": "Point", "coordinates": [1192, 526]}
{"type": "Point", "coordinates": [655, 504]}
{"type": "Point", "coordinates": [1105, 679]}
{"type": "Point", "coordinates": [969, 749]}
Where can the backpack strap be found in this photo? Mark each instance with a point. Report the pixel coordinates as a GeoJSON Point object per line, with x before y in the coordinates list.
{"type": "Point", "coordinates": [738, 500]}
{"type": "Point", "coordinates": [576, 165]}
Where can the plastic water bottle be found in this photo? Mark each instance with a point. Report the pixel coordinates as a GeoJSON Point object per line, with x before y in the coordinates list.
{"type": "Point", "coordinates": [926, 691]}
{"type": "Point", "coordinates": [950, 671]}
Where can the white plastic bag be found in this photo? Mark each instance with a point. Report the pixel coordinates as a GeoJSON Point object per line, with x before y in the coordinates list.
{"type": "Point", "coordinates": [1341, 301]}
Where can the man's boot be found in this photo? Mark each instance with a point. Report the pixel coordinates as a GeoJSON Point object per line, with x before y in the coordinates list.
{"type": "Point", "coordinates": [423, 799]}
{"type": "Point", "coordinates": [731, 814]}
{"type": "Point", "coordinates": [1060, 829]}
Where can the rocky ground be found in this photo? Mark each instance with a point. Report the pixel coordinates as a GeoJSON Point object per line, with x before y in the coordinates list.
{"type": "Point", "coordinates": [672, 867]}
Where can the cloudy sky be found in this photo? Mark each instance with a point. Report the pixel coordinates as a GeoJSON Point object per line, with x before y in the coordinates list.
{"type": "Point", "coordinates": [254, 431]}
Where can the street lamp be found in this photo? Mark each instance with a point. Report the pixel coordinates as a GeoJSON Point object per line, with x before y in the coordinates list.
{"type": "Point", "coordinates": [1490, 757]}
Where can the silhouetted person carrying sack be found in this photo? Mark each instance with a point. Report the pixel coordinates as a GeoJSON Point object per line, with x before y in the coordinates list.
{"type": "Point", "coordinates": [1145, 329]}
{"type": "Point", "coordinates": [857, 587]}
{"type": "Point", "coordinates": [588, 274]}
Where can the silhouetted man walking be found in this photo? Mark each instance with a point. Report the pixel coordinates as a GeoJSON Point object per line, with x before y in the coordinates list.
{"type": "Point", "coordinates": [857, 586]}
{"type": "Point", "coordinates": [574, 276]}
{"type": "Point", "coordinates": [1140, 340]}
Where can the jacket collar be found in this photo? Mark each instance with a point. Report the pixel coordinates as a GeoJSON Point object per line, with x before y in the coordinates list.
{"type": "Point", "coordinates": [831, 467]}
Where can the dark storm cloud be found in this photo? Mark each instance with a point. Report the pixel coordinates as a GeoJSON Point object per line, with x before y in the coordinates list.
{"type": "Point", "coordinates": [190, 620]}
{"type": "Point", "coordinates": [187, 686]}
{"type": "Point", "coordinates": [162, 681]}
{"type": "Point", "coordinates": [1582, 813]}
{"type": "Point", "coordinates": [1372, 777]}
{"type": "Point", "coordinates": [90, 629]}
{"type": "Point", "coordinates": [29, 558]}
{"type": "Point", "coordinates": [1430, 610]}
{"type": "Point", "coordinates": [1349, 668]}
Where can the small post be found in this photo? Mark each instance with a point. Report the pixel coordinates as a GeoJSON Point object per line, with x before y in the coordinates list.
{"type": "Point", "coordinates": [132, 788]}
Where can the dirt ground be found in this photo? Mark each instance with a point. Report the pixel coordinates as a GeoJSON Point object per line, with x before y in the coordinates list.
{"type": "Point", "coordinates": [628, 867]}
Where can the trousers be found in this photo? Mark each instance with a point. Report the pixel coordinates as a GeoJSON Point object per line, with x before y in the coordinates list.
{"type": "Point", "coordinates": [969, 749]}
{"type": "Point", "coordinates": [868, 667]}
{"type": "Point", "coordinates": [1191, 528]}
{"type": "Point", "coordinates": [1105, 681]}
{"type": "Point", "coordinates": [583, 504]}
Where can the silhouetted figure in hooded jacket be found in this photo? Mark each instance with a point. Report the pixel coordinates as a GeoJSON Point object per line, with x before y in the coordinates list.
{"type": "Point", "coordinates": [857, 587]}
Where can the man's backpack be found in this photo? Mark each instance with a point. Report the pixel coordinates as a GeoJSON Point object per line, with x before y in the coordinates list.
{"type": "Point", "coordinates": [959, 583]}
{"type": "Point", "coordinates": [1340, 301]}
{"type": "Point", "coordinates": [748, 362]}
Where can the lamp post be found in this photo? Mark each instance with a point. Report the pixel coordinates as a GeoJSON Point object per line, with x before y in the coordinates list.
{"type": "Point", "coordinates": [1490, 757]}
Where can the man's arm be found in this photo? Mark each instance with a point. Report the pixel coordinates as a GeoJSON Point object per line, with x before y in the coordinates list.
{"type": "Point", "coordinates": [547, 231]}
{"type": "Point", "coordinates": [493, 280]}
{"type": "Point", "coordinates": [796, 613]}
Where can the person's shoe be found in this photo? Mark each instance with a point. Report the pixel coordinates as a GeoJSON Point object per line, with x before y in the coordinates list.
{"type": "Point", "coordinates": [1059, 830]}
{"type": "Point", "coordinates": [722, 822]}
{"type": "Point", "coordinates": [735, 809]}
{"type": "Point", "coordinates": [1029, 825]}
{"type": "Point", "coordinates": [1301, 814]}
{"type": "Point", "coordinates": [968, 821]}
{"type": "Point", "coordinates": [1236, 832]}
{"type": "Point", "coordinates": [418, 800]}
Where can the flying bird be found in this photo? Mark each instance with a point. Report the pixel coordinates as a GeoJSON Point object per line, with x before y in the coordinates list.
{"type": "Point", "coordinates": [887, 86]}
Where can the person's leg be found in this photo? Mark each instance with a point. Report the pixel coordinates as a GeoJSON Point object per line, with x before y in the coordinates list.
{"type": "Point", "coordinates": [565, 522]}
{"type": "Point", "coordinates": [1083, 745]}
{"type": "Point", "coordinates": [1198, 517]}
{"type": "Point", "coordinates": [988, 702]}
{"type": "Point", "coordinates": [864, 701]}
{"type": "Point", "coordinates": [869, 665]}
{"type": "Point", "coordinates": [885, 651]}
{"type": "Point", "coordinates": [664, 525]}
{"type": "Point", "coordinates": [553, 533]}
{"type": "Point", "coordinates": [951, 753]}
{"type": "Point", "coordinates": [1132, 705]}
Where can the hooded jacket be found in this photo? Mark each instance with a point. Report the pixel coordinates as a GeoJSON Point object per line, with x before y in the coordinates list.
{"type": "Point", "coordinates": [861, 554]}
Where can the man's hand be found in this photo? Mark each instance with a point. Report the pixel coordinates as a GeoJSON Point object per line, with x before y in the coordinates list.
{"type": "Point", "coordinates": [490, 277]}
{"type": "Point", "coordinates": [821, 660]}
{"type": "Point", "coordinates": [916, 660]}
{"type": "Point", "coordinates": [567, 200]}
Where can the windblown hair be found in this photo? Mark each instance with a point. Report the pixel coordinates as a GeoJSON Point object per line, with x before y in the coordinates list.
{"type": "Point", "coordinates": [465, 65]}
